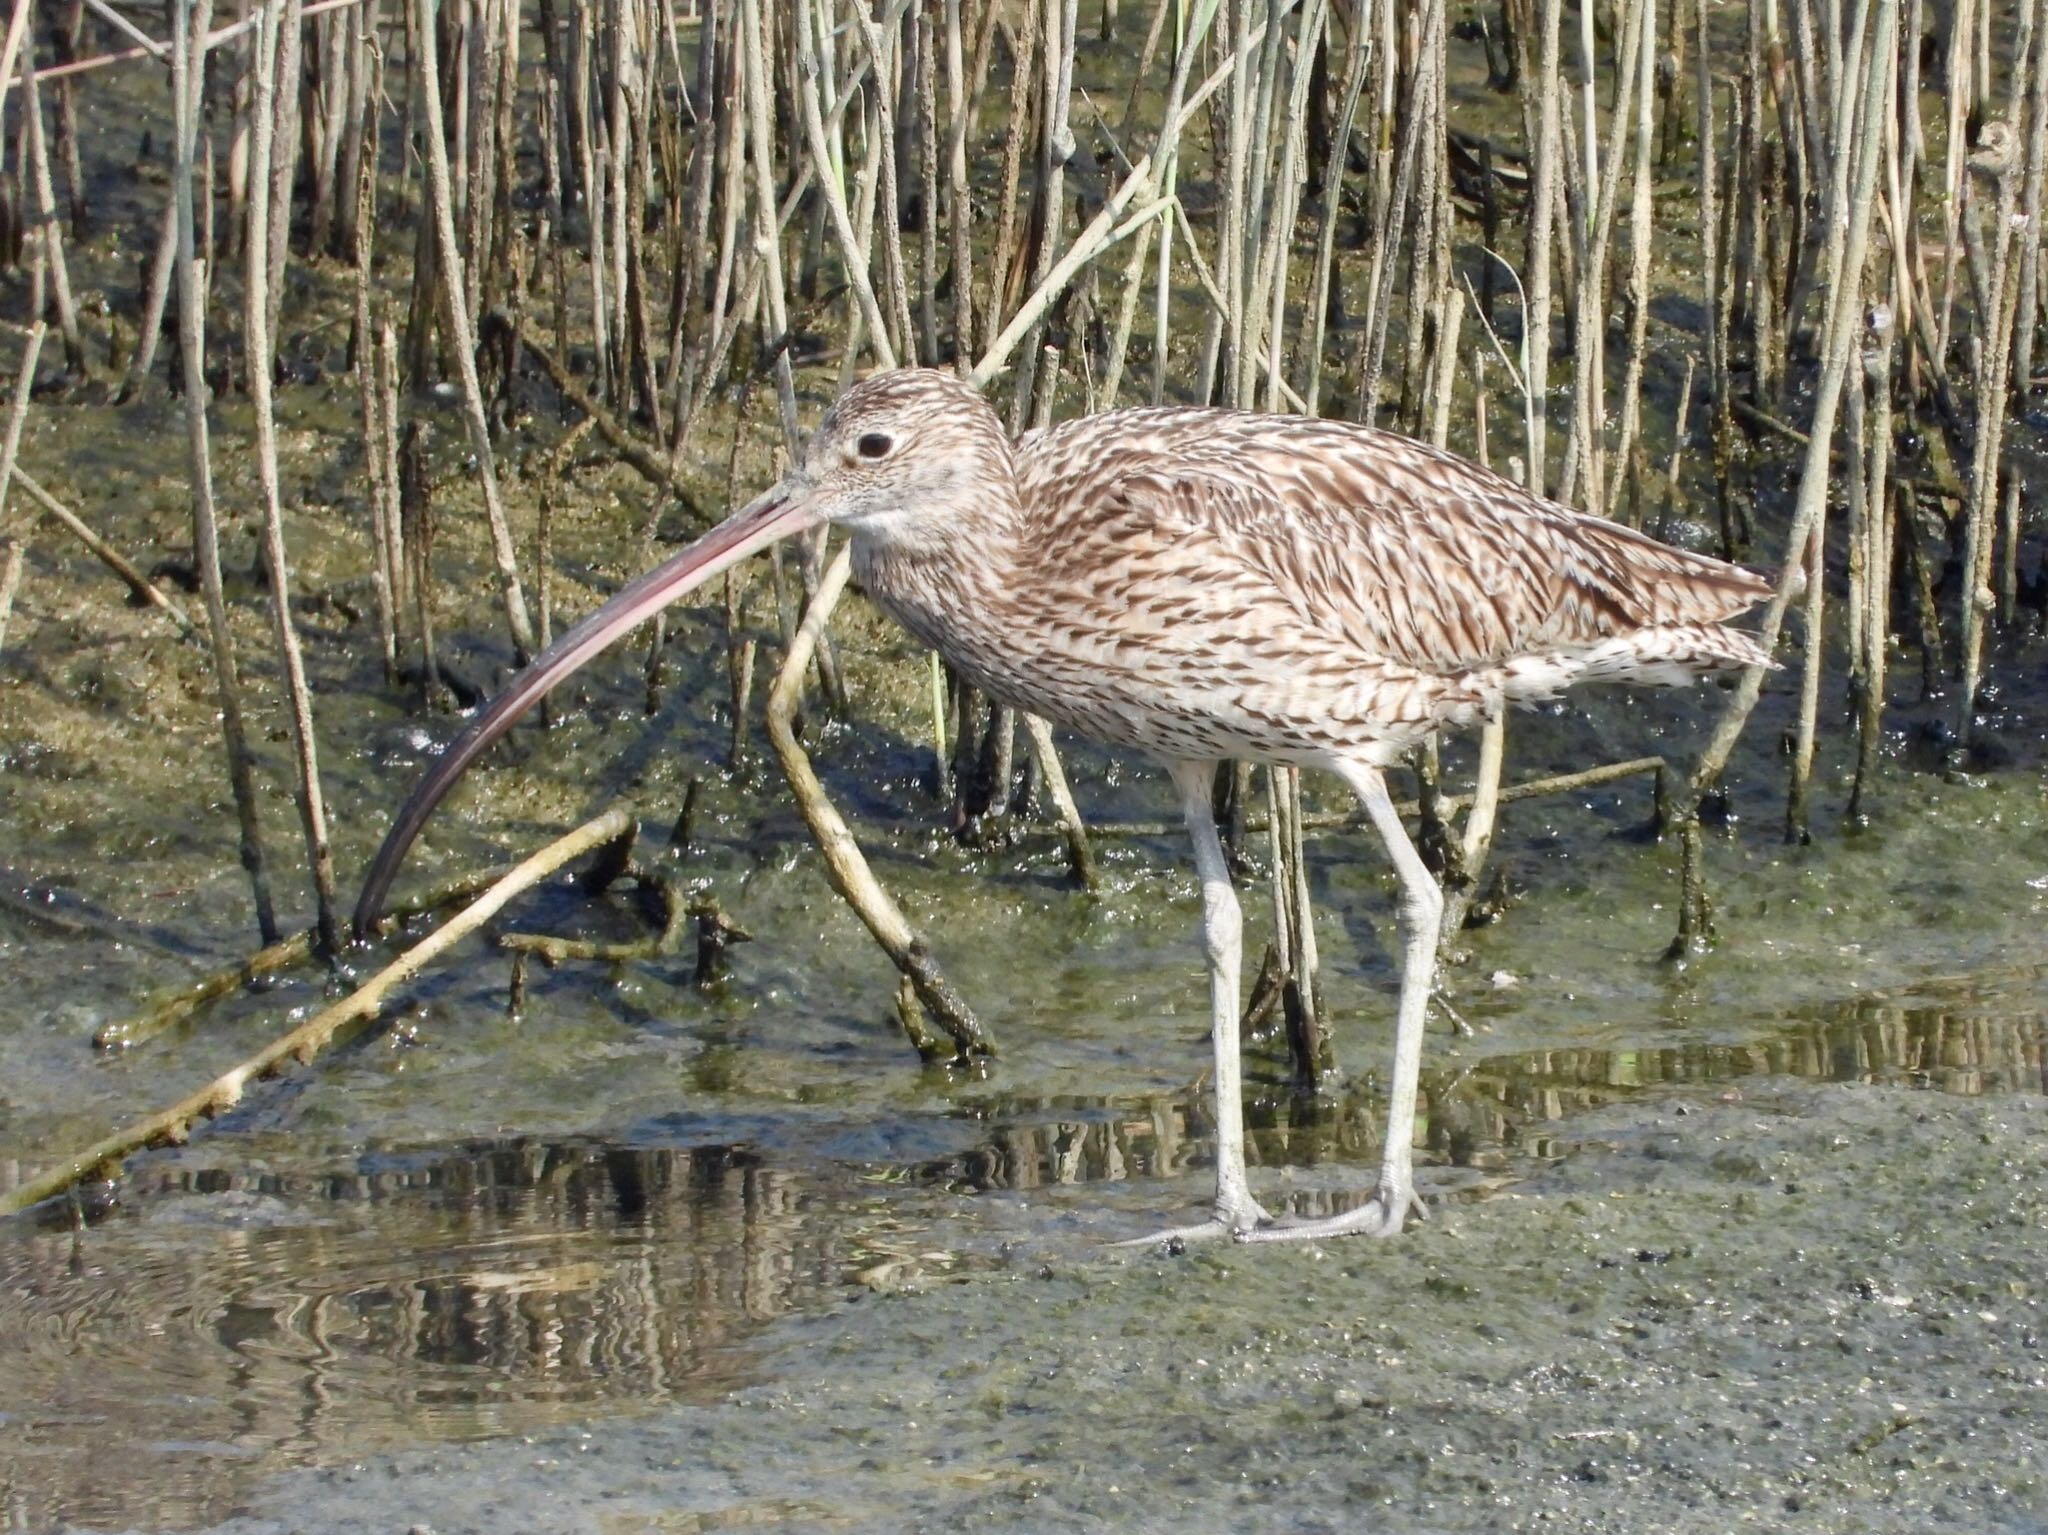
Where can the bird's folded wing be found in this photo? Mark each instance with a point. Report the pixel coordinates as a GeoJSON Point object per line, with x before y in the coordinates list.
{"type": "Point", "coordinates": [1381, 546]}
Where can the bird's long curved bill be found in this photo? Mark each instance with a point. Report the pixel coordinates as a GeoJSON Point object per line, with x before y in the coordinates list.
{"type": "Point", "coordinates": [774, 516]}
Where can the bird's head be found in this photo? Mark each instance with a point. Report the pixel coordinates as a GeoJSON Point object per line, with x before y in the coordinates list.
{"type": "Point", "coordinates": [897, 460]}
{"type": "Point", "coordinates": [899, 456]}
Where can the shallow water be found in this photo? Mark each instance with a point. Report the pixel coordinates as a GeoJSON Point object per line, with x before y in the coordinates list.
{"type": "Point", "coordinates": [469, 1226]}
{"type": "Point", "coordinates": [628, 1220]}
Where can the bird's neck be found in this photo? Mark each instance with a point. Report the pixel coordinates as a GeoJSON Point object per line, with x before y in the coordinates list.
{"type": "Point", "coordinates": [939, 573]}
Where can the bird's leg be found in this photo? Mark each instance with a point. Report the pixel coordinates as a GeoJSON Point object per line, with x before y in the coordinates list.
{"type": "Point", "coordinates": [1236, 1212]}
{"type": "Point", "coordinates": [1421, 916]}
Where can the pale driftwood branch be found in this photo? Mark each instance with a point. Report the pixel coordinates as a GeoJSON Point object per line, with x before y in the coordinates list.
{"type": "Point", "coordinates": [845, 866]}
{"type": "Point", "coordinates": [170, 1126]}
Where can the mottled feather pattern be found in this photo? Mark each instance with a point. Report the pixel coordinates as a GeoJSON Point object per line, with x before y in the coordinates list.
{"type": "Point", "coordinates": [1209, 583]}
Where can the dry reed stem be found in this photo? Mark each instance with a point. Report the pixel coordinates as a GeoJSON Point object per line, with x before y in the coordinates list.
{"type": "Point", "coordinates": [1109, 226]}
{"type": "Point", "coordinates": [1357, 58]}
{"type": "Point", "coordinates": [10, 51]}
{"type": "Point", "coordinates": [52, 240]}
{"type": "Point", "coordinates": [187, 73]}
{"type": "Point", "coordinates": [455, 307]}
{"type": "Point", "coordinates": [9, 79]}
{"type": "Point", "coordinates": [173, 1125]}
{"type": "Point", "coordinates": [760, 171]}
{"type": "Point", "coordinates": [845, 866]}
{"type": "Point", "coordinates": [256, 319]}
{"type": "Point", "coordinates": [157, 291]}
{"type": "Point", "coordinates": [1844, 290]}
{"type": "Point", "coordinates": [1641, 227]}
{"type": "Point", "coordinates": [854, 257]}
{"type": "Point", "coordinates": [767, 227]}
{"type": "Point", "coordinates": [959, 201]}
{"type": "Point", "coordinates": [1873, 619]}
{"type": "Point", "coordinates": [11, 556]}
{"type": "Point", "coordinates": [17, 410]}
{"type": "Point", "coordinates": [1080, 855]}
{"type": "Point", "coordinates": [386, 560]}
{"type": "Point", "coordinates": [1543, 196]}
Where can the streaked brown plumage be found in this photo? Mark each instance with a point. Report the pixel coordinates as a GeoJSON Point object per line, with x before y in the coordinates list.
{"type": "Point", "coordinates": [1206, 585]}
{"type": "Point", "coordinates": [1190, 582]}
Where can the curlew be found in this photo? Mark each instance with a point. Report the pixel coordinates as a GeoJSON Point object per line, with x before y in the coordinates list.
{"type": "Point", "coordinates": [1204, 586]}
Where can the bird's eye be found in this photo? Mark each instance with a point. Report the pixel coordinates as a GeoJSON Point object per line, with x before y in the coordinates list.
{"type": "Point", "coordinates": [874, 445]}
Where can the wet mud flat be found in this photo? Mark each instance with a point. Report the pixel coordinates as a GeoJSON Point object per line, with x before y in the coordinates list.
{"type": "Point", "coordinates": [1783, 1305]}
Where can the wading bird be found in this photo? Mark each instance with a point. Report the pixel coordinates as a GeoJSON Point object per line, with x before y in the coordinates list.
{"type": "Point", "coordinates": [1206, 586]}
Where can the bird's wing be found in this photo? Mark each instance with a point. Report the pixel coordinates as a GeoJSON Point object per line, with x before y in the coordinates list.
{"type": "Point", "coordinates": [1383, 546]}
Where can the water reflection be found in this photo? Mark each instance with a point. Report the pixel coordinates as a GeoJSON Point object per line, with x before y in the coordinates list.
{"type": "Point", "coordinates": [218, 1323]}
{"type": "Point", "coordinates": [1479, 1117]}
{"type": "Point", "coordinates": [222, 1320]}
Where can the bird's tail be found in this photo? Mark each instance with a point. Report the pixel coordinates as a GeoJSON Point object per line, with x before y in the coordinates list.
{"type": "Point", "coordinates": [1667, 655]}
{"type": "Point", "coordinates": [1673, 654]}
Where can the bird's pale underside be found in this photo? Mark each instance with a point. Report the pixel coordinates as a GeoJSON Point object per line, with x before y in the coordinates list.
{"type": "Point", "coordinates": [1204, 586]}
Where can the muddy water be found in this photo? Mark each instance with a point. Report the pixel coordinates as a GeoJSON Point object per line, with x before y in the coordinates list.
{"type": "Point", "coordinates": [651, 1256]}
{"type": "Point", "coordinates": [1712, 1239]}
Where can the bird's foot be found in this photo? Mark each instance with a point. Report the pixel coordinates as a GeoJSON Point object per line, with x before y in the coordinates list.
{"type": "Point", "coordinates": [1380, 1216]}
{"type": "Point", "coordinates": [1236, 1219]}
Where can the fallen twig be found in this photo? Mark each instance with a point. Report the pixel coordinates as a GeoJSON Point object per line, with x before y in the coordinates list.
{"type": "Point", "coordinates": [551, 950]}
{"type": "Point", "coordinates": [649, 464]}
{"type": "Point", "coordinates": [144, 588]}
{"type": "Point", "coordinates": [1560, 783]}
{"type": "Point", "coordinates": [1764, 421]}
{"type": "Point", "coordinates": [174, 1004]}
{"type": "Point", "coordinates": [170, 1126]}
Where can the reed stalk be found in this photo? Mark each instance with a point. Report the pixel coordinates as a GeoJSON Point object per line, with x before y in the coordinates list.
{"type": "Point", "coordinates": [256, 323]}
{"type": "Point", "coordinates": [188, 70]}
